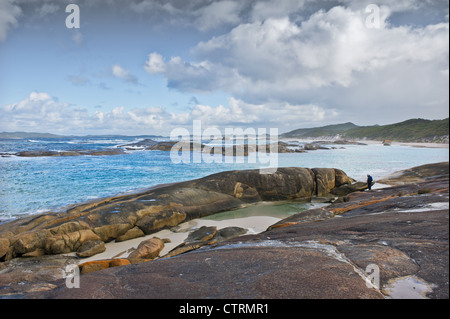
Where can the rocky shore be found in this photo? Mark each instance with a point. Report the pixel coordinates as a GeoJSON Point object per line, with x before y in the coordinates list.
{"type": "Point", "coordinates": [320, 253]}
{"type": "Point", "coordinates": [46, 153]}
{"type": "Point", "coordinates": [152, 145]}
{"type": "Point", "coordinates": [124, 217]}
{"type": "Point", "coordinates": [235, 150]}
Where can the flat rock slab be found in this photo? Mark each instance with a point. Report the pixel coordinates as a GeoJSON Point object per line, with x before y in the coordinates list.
{"type": "Point", "coordinates": [418, 174]}
{"type": "Point", "coordinates": [253, 272]}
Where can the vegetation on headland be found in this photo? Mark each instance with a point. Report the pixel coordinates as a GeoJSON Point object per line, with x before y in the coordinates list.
{"type": "Point", "coordinates": [413, 130]}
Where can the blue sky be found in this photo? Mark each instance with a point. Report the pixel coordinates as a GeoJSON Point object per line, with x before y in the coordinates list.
{"type": "Point", "coordinates": [149, 66]}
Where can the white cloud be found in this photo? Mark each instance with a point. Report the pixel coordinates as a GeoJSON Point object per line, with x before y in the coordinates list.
{"type": "Point", "coordinates": [123, 74]}
{"type": "Point", "coordinates": [327, 57]}
{"type": "Point", "coordinates": [42, 113]}
{"type": "Point", "coordinates": [155, 63]}
{"type": "Point", "coordinates": [327, 49]}
{"type": "Point", "coordinates": [241, 114]}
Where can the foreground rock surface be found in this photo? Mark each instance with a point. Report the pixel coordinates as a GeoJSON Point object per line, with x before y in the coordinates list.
{"type": "Point", "coordinates": [321, 253]}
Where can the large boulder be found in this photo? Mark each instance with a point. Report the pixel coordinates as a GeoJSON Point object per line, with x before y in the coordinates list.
{"type": "Point", "coordinates": [417, 174]}
{"type": "Point", "coordinates": [91, 248]}
{"type": "Point", "coordinates": [328, 179]}
{"type": "Point", "coordinates": [4, 246]}
{"type": "Point", "coordinates": [147, 249]}
{"type": "Point", "coordinates": [344, 190]}
{"type": "Point", "coordinates": [66, 243]}
{"type": "Point", "coordinates": [132, 233]}
{"type": "Point", "coordinates": [206, 235]}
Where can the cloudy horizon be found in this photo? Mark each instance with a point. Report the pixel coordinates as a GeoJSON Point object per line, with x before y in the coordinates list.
{"type": "Point", "coordinates": [149, 66]}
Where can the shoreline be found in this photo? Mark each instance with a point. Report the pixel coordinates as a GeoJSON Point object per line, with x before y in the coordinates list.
{"type": "Point", "coordinates": [369, 142]}
{"type": "Point", "coordinates": [254, 225]}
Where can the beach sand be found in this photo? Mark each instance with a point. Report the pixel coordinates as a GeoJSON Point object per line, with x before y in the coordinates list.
{"type": "Point", "coordinates": [429, 145]}
{"type": "Point", "coordinates": [254, 224]}
{"type": "Point", "coordinates": [369, 142]}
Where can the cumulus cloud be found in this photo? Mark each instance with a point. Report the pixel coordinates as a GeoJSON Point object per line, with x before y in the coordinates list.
{"type": "Point", "coordinates": [42, 112]}
{"type": "Point", "coordinates": [330, 53]}
{"type": "Point", "coordinates": [242, 114]}
{"type": "Point", "coordinates": [327, 49]}
{"type": "Point", "coordinates": [155, 63]}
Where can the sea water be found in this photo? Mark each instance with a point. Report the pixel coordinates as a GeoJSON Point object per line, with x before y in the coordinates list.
{"type": "Point", "coordinates": [30, 185]}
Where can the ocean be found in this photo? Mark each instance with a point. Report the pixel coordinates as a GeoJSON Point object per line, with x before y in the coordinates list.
{"type": "Point", "coordinates": [31, 185]}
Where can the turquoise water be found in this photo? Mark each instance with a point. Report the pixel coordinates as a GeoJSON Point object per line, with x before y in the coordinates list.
{"type": "Point", "coordinates": [273, 209]}
{"type": "Point", "coordinates": [34, 185]}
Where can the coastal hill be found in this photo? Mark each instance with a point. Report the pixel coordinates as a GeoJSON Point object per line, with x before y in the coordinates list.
{"type": "Point", "coordinates": [322, 131]}
{"type": "Point", "coordinates": [413, 130]}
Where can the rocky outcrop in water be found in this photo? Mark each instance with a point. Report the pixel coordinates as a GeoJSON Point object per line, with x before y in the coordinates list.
{"type": "Point", "coordinates": [161, 207]}
{"type": "Point", "coordinates": [94, 152]}
{"type": "Point", "coordinates": [235, 150]}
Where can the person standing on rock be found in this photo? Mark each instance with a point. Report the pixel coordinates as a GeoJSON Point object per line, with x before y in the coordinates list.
{"type": "Point", "coordinates": [369, 181]}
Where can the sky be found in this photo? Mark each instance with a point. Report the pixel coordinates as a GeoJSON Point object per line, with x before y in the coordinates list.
{"type": "Point", "coordinates": [150, 66]}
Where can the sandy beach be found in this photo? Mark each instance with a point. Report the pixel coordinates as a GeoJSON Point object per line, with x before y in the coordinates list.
{"type": "Point", "coordinates": [410, 144]}
{"type": "Point", "coordinates": [176, 235]}
{"type": "Point", "coordinates": [429, 145]}
{"type": "Point", "coordinates": [369, 142]}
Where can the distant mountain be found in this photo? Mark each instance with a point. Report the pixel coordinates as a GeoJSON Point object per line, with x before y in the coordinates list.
{"type": "Point", "coordinates": [25, 135]}
{"type": "Point", "coordinates": [413, 130]}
